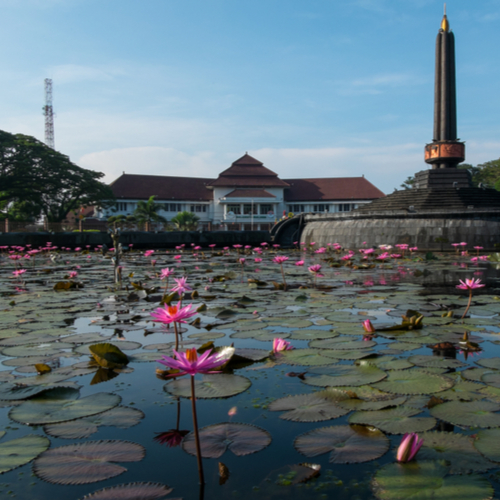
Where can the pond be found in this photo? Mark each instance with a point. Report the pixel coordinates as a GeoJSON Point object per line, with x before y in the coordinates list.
{"type": "Point", "coordinates": [321, 420]}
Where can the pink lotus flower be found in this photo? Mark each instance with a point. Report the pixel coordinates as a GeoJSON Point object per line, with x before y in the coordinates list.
{"type": "Point", "coordinates": [315, 269]}
{"type": "Point", "coordinates": [19, 272]}
{"type": "Point", "coordinates": [279, 259]}
{"type": "Point", "coordinates": [257, 260]}
{"type": "Point", "coordinates": [148, 253]}
{"type": "Point", "coordinates": [171, 438]}
{"type": "Point", "coordinates": [181, 286]}
{"type": "Point", "coordinates": [190, 364]}
{"type": "Point", "coordinates": [410, 444]}
{"type": "Point", "coordinates": [470, 284]}
{"type": "Point", "coordinates": [212, 245]}
{"type": "Point", "coordinates": [232, 412]}
{"type": "Point", "coordinates": [173, 314]}
{"type": "Point", "coordinates": [241, 260]}
{"type": "Point", "coordinates": [280, 344]}
{"type": "Point", "coordinates": [299, 263]}
{"type": "Point", "coordinates": [165, 273]}
{"type": "Point", "coordinates": [72, 274]}
{"type": "Point", "coordinates": [368, 327]}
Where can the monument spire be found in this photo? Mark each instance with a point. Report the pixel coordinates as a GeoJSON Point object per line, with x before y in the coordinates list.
{"type": "Point", "coordinates": [445, 151]}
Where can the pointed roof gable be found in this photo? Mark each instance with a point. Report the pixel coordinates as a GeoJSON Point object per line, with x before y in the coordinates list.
{"type": "Point", "coordinates": [248, 172]}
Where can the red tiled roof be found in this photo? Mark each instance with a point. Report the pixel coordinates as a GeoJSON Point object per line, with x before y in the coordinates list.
{"type": "Point", "coordinates": [248, 172]}
{"type": "Point", "coordinates": [130, 186]}
{"type": "Point", "coordinates": [249, 193]}
{"type": "Point", "coordinates": [327, 189]}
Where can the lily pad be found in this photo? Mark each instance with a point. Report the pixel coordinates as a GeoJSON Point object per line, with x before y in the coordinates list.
{"type": "Point", "coordinates": [122, 417]}
{"type": "Point", "coordinates": [397, 420]}
{"type": "Point", "coordinates": [307, 408]}
{"type": "Point", "coordinates": [39, 411]}
{"type": "Point", "coordinates": [85, 463]}
{"type": "Point", "coordinates": [428, 479]}
{"type": "Point", "coordinates": [469, 414]}
{"type": "Point", "coordinates": [487, 442]}
{"type": "Point", "coordinates": [108, 355]}
{"type": "Point", "coordinates": [304, 357]}
{"type": "Point", "coordinates": [210, 386]}
{"type": "Point", "coordinates": [240, 439]}
{"type": "Point", "coordinates": [304, 334]}
{"type": "Point", "coordinates": [131, 491]}
{"type": "Point", "coordinates": [340, 375]}
{"type": "Point", "coordinates": [414, 381]}
{"type": "Point", "coordinates": [346, 444]}
{"type": "Point", "coordinates": [17, 452]}
{"type": "Point", "coordinates": [457, 449]}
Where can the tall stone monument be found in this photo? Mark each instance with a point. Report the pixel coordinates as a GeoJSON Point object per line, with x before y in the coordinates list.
{"type": "Point", "coordinates": [441, 209]}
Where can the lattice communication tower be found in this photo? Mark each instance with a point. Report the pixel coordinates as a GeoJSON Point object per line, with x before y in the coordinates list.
{"type": "Point", "coordinates": [49, 114]}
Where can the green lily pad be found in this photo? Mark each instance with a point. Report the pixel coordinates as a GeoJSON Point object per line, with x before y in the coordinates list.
{"type": "Point", "coordinates": [435, 361]}
{"type": "Point", "coordinates": [85, 463]}
{"type": "Point", "coordinates": [108, 356]}
{"type": "Point", "coordinates": [240, 439]}
{"type": "Point", "coordinates": [210, 386]}
{"type": "Point", "coordinates": [17, 452]}
{"type": "Point", "coordinates": [464, 391]}
{"type": "Point", "coordinates": [39, 411]}
{"type": "Point", "coordinates": [414, 381]}
{"type": "Point", "coordinates": [131, 491]}
{"type": "Point", "coordinates": [397, 420]}
{"type": "Point", "coordinates": [487, 442]}
{"type": "Point", "coordinates": [424, 480]}
{"type": "Point", "coordinates": [305, 357]}
{"type": "Point", "coordinates": [305, 334]}
{"type": "Point", "coordinates": [457, 449]}
{"type": "Point", "coordinates": [307, 408]}
{"type": "Point", "coordinates": [340, 375]}
{"type": "Point", "coordinates": [43, 349]}
{"type": "Point", "coordinates": [122, 417]}
{"type": "Point", "coordinates": [342, 343]}
{"type": "Point", "coordinates": [346, 444]}
{"type": "Point", "coordinates": [470, 414]}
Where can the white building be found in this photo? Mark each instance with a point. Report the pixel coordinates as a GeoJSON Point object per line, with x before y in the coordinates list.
{"type": "Point", "coordinates": [245, 196]}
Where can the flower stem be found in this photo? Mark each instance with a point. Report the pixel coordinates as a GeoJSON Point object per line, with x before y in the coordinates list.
{"type": "Point", "coordinates": [176, 337]}
{"type": "Point", "coordinates": [283, 274]}
{"type": "Point", "coordinates": [196, 435]}
{"type": "Point", "coordinates": [468, 305]}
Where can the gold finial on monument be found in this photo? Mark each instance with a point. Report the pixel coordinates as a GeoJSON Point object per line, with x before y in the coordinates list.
{"type": "Point", "coordinates": [445, 25]}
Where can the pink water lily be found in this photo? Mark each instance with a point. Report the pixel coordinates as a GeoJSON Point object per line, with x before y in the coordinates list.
{"type": "Point", "coordinates": [279, 259]}
{"type": "Point", "coordinates": [181, 286]}
{"type": "Point", "coordinates": [190, 364]}
{"type": "Point", "coordinates": [280, 344]}
{"type": "Point", "coordinates": [410, 444]}
{"type": "Point", "coordinates": [173, 314]}
{"type": "Point", "coordinates": [315, 269]}
{"type": "Point", "coordinates": [165, 273]}
{"type": "Point", "coordinates": [368, 327]}
{"type": "Point", "coordinates": [471, 284]}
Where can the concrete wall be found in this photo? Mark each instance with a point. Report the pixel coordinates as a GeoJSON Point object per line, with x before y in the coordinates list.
{"type": "Point", "coordinates": [351, 232]}
{"type": "Point", "coordinates": [140, 240]}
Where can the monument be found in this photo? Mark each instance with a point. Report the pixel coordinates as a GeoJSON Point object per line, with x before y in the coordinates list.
{"type": "Point", "coordinates": [442, 208]}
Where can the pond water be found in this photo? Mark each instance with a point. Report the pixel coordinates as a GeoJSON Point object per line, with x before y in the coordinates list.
{"type": "Point", "coordinates": [338, 403]}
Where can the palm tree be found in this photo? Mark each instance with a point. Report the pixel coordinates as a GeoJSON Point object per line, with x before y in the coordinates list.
{"type": "Point", "coordinates": [147, 212]}
{"type": "Point", "coordinates": [185, 221]}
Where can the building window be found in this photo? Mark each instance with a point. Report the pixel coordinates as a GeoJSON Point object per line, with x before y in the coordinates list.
{"type": "Point", "coordinates": [296, 209]}
{"type": "Point", "coordinates": [321, 208]}
{"type": "Point", "coordinates": [345, 207]}
{"type": "Point", "coordinates": [265, 208]}
{"type": "Point", "coordinates": [174, 207]}
{"type": "Point", "coordinates": [248, 208]}
{"type": "Point", "coordinates": [198, 208]}
{"type": "Point", "coordinates": [122, 206]}
{"type": "Point", "coordinates": [236, 209]}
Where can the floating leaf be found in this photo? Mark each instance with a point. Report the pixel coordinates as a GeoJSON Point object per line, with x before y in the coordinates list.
{"type": "Point", "coordinates": [304, 357]}
{"type": "Point", "coordinates": [346, 444]}
{"type": "Point", "coordinates": [429, 479]}
{"type": "Point", "coordinates": [457, 449]}
{"type": "Point", "coordinates": [20, 451]}
{"type": "Point", "coordinates": [307, 408]}
{"type": "Point", "coordinates": [85, 463]}
{"type": "Point", "coordinates": [340, 375]}
{"type": "Point", "coordinates": [488, 443]}
{"type": "Point", "coordinates": [470, 414]}
{"type": "Point", "coordinates": [240, 439]}
{"type": "Point", "coordinates": [304, 472]}
{"type": "Point", "coordinates": [435, 361]}
{"type": "Point", "coordinates": [131, 491]}
{"type": "Point", "coordinates": [108, 355]}
{"type": "Point", "coordinates": [397, 420]}
{"type": "Point", "coordinates": [312, 334]}
{"type": "Point", "coordinates": [42, 368]}
{"type": "Point", "coordinates": [50, 411]}
{"type": "Point", "coordinates": [414, 381]}
{"type": "Point", "coordinates": [122, 417]}
{"type": "Point", "coordinates": [210, 386]}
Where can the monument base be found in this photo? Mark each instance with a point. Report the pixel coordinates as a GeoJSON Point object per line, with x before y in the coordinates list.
{"type": "Point", "coordinates": [443, 178]}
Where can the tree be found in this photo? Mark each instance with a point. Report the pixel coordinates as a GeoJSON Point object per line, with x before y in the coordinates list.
{"type": "Point", "coordinates": [31, 171]}
{"type": "Point", "coordinates": [485, 173]}
{"type": "Point", "coordinates": [147, 212]}
{"type": "Point", "coordinates": [408, 183]}
{"type": "Point", "coordinates": [185, 221]}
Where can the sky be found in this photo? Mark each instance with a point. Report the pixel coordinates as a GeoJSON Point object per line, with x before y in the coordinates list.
{"type": "Point", "coordinates": [312, 88]}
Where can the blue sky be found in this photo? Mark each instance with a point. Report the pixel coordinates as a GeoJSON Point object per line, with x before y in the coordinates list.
{"type": "Point", "coordinates": [313, 88]}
